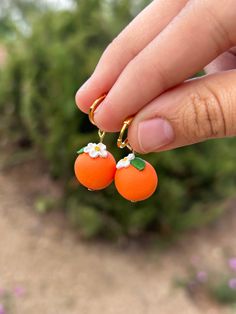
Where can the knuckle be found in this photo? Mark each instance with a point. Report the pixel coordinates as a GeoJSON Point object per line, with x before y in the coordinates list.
{"type": "Point", "coordinates": [109, 50]}
{"type": "Point", "coordinates": [114, 51]}
{"type": "Point", "coordinates": [144, 72]}
{"type": "Point", "coordinates": [203, 117]}
{"type": "Point", "coordinates": [221, 21]}
{"type": "Point", "coordinates": [110, 53]}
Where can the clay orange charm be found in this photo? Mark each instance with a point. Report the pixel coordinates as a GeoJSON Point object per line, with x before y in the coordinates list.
{"type": "Point", "coordinates": [135, 178]}
{"type": "Point", "coordinates": [95, 167]}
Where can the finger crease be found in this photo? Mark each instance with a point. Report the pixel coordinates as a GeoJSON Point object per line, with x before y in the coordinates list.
{"type": "Point", "coordinates": [221, 34]}
{"type": "Point", "coordinates": [218, 102]}
{"type": "Point", "coordinates": [210, 123]}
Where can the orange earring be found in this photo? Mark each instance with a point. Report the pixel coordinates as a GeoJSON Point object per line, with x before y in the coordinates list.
{"type": "Point", "coordinates": [95, 167]}
{"type": "Point", "coordinates": [135, 178]}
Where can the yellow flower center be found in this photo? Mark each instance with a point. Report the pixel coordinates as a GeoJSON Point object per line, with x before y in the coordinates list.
{"type": "Point", "coordinates": [97, 148]}
{"type": "Point", "coordinates": [125, 159]}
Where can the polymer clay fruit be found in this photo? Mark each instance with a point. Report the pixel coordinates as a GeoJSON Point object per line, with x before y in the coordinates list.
{"type": "Point", "coordinates": [135, 178]}
{"type": "Point", "coordinates": [95, 167]}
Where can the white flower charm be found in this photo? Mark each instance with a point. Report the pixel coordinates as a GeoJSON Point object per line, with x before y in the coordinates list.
{"type": "Point", "coordinates": [125, 162]}
{"type": "Point", "coordinates": [96, 150]}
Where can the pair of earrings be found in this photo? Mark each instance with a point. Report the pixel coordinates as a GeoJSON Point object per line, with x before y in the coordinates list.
{"type": "Point", "coordinates": [96, 168]}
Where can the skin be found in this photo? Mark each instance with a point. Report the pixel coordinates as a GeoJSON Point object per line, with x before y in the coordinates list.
{"type": "Point", "coordinates": [165, 45]}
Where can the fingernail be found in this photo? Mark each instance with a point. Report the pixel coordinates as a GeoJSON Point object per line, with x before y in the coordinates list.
{"type": "Point", "coordinates": [154, 134]}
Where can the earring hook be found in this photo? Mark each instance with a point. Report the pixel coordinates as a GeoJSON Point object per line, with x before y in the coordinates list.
{"type": "Point", "coordinates": [92, 109]}
{"type": "Point", "coordinates": [121, 143]}
{"type": "Point", "coordinates": [94, 106]}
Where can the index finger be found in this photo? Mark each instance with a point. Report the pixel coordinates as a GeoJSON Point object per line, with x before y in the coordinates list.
{"type": "Point", "coordinates": [141, 31]}
{"type": "Point", "coordinates": [184, 47]}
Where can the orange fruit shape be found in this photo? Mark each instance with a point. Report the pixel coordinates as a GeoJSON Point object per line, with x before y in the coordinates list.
{"type": "Point", "coordinates": [95, 173]}
{"type": "Point", "coordinates": [136, 185]}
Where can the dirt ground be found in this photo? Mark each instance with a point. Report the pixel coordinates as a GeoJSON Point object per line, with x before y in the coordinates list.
{"type": "Point", "coordinates": [45, 268]}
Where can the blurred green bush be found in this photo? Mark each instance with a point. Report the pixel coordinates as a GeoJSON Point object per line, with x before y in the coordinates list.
{"type": "Point", "coordinates": [46, 66]}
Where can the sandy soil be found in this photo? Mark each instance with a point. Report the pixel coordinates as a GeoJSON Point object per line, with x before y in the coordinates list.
{"type": "Point", "coordinates": [56, 273]}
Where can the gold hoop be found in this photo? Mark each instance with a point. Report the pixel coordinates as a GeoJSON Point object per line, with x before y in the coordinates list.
{"type": "Point", "coordinates": [124, 143]}
{"type": "Point", "coordinates": [94, 106]}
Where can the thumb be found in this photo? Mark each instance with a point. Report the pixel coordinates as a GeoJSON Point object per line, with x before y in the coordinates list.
{"type": "Point", "coordinates": [195, 111]}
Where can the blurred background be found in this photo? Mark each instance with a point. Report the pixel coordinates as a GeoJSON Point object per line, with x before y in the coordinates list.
{"type": "Point", "coordinates": [66, 250]}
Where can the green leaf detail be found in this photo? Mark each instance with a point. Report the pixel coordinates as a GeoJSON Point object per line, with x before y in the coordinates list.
{"type": "Point", "coordinates": [81, 151]}
{"type": "Point", "coordinates": [138, 163]}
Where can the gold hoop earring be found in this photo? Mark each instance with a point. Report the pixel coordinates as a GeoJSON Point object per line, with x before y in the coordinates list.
{"type": "Point", "coordinates": [135, 179]}
{"type": "Point", "coordinates": [121, 143]}
{"type": "Point", "coordinates": [95, 167]}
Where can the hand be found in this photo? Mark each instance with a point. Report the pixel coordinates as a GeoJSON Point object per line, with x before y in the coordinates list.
{"type": "Point", "coordinates": [144, 71]}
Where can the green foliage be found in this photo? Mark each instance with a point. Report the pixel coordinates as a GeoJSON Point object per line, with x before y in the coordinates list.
{"type": "Point", "coordinates": [87, 219]}
{"type": "Point", "coordinates": [215, 284]}
{"type": "Point", "coordinates": [44, 204]}
{"type": "Point", "coordinates": [6, 27]}
{"type": "Point", "coordinates": [223, 293]}
{"type": "Point", "coordinates": [44, 71]}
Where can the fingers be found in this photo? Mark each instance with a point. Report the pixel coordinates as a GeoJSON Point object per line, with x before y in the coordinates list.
{"type": "Point", "coordinates": [197, 110]}
{"type": "Point", "coordinates": [125, 47]}
{"type": "Point", "coordinates": [184, 47]}
{"type": "Point", "coordinates": [225, 62]}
